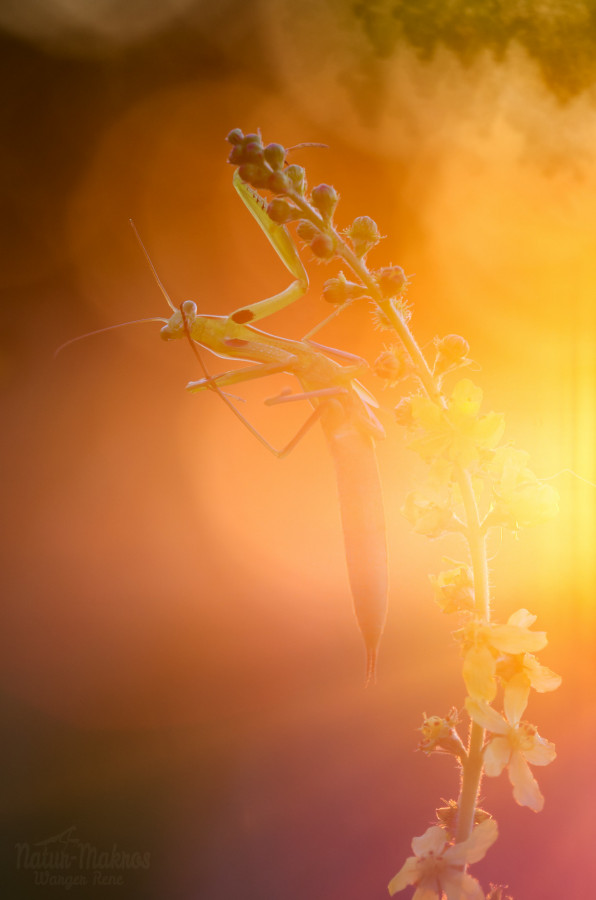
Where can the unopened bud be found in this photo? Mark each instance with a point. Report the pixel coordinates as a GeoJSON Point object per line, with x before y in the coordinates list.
{"type": "Point", "coordinates": [306, 230]}
{"type": "Point", "coordinates": [339, 290]}
{"type": "Point", "coordinates": [278, 183]}
{"type": "Point", "coordinates": [275, 155]}
{"type": "Point", "coordinates": [364, 234]}
{"type": "Point", "coordinates": [296, 176]}
{"type": "Point", "coordinates": [440, 733]}
{"type": "Point", "coordinates": [252, 152]}
{"type": "Point", "coordinates": [257, 176]}
{"type": "Point", "coordinates": [390, 365]}
{"type": "Point", "coordinates": [454, 347]}
{"type": "Point", "coordinates": [235, 136]}
{"type": "Point", "coordinates": [324, 198]}
{"type": "Point", "coordinates": [451, 350]}
{"type": "Point", "coordinates": [322, 246]}
{"type": "Point", "coordinates": [236, 155]}
{"type": "Point", "coordinates": [391, 281]}
{"type": "Point", "coordinates": [281, 212]}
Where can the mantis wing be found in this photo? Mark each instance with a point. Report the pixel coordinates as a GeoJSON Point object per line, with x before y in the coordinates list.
{"type": "Point", "coordinates": [363, 522]}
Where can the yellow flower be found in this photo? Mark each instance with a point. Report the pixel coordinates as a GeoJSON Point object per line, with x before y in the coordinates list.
{"type": "Point", "coordinates": [437, 868]}
{"type": "Point", "coordinates": [456, 433]}
{"type": "Point", "coordinates": [483, 643]}
{"type": "Point", "coordinates": [454, 589]}
{"type": "Point", "coordinates": [522, 672]}
{"type": "Point", "coordinates": [428, 512]}
{"type": "Point", "coordinates": [521, 499]}
{"type": "Point", "coordinates": [515, 745]}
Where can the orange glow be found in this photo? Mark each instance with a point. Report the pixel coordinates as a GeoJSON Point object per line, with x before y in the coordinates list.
{"type": "Point", "coordinates": [168, 579]}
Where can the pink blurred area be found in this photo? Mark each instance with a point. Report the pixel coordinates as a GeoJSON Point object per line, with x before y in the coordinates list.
{"type": "Point", "coordinates": [179, 652]}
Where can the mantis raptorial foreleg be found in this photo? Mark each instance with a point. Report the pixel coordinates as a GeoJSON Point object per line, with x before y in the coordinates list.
{"type": "Point", "coordinates": [285, 248]}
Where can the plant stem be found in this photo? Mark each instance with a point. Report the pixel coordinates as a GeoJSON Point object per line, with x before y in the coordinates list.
{"type": "Point", "coordinates": [472, 767]}
{"type": "Point", "coordinates": [470, 784]}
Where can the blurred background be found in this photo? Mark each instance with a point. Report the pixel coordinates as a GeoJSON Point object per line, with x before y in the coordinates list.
{"type": "Point", "coordinates": [181, 674]}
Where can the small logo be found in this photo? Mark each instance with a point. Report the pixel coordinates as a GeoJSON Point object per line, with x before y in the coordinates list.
{"type": "Point", "coordinates": [66, 860]}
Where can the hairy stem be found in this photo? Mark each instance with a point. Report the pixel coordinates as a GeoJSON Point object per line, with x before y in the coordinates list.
{"type": "Point", "coordinates": [470, 784]}
{"type": "Point", "coordinates": [473, 766]}
{"type": "Point", "coordinates": [472, 769]}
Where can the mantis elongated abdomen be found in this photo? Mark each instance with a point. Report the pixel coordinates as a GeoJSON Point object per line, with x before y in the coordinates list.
{"type": "Point", "coordinates": [363, 523]}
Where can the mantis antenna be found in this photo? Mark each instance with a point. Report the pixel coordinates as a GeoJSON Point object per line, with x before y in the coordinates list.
{"type": "Point", "coordinates": [158, 280]}
{"type": "Point", "coordinates": [160, 285]}
{"type": "Point", "coordinates": [87, 334]}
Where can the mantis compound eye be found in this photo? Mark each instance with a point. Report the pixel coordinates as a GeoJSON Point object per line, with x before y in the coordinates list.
{"type": "Point", "coordinates": [189, 310]}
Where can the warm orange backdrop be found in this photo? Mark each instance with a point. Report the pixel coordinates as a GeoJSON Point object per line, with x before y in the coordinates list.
{"type": "Point", "coordinates": [178, 640]}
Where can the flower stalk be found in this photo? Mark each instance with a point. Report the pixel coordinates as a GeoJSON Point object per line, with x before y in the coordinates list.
{"type": "Point", "coordinates": [475, 483]}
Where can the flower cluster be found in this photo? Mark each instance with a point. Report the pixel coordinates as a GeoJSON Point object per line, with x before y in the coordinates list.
{"type": "Point", "coordinates": [474, 483]}
{"type": "Point", "coordinates": [455, 434]}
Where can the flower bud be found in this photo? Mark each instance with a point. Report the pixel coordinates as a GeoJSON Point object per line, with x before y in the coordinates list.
{"type": "Point", "coordinates": [339, 290]}
{"type": "Point", "coordinates": [452, 350]}
{"type": "Point", "coordinates": [275, 155]}
{"type": "Point", "coordinates": [306, 230]}
{"type": "Point", "coordinates": [235, 136]}
{"type": "Point", "coordinates": [391, 281]}
{"type": "Point", "coordinates": [254, 175]}
{"type": "Point", "coordinates": [322, 246]}
{"type": "Point", "coordinates": [364, 234]}
{"type": "Point", "coordinates": [252, 152]}
{"type": "Point", "coordinates": [279, 211]}
{"type": "Point", "coordinates": [391, 366]}
{"type": "Point", "coordinates": [236, 155]}
{"type": "Point", "coordinates": [440, 733]}
{"type": "Point", "coordinates": [278, 183]}
{"type": "Point", "coordinates": [454, 347]}
{"type": "Point", "coordinates": [296, 176]}
{"type": "Point", "coordinates": [324, 198]}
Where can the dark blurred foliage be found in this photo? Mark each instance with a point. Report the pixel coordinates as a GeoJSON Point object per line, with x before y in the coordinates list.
{"type": "Point", "coordinates": [560, 35]}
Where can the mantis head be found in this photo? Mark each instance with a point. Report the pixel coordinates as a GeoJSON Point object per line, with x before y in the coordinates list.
{"type": "Point", "coordinates": [180, 322]}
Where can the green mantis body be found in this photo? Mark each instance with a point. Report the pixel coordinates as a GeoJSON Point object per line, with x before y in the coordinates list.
{"type": "Point", "coordinates": [343, 406]}
{"type": "Point", "coordinates": [350, 426]}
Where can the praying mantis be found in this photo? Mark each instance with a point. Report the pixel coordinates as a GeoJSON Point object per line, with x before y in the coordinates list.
{"type": "Point", "coordinates": [342, 405]}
